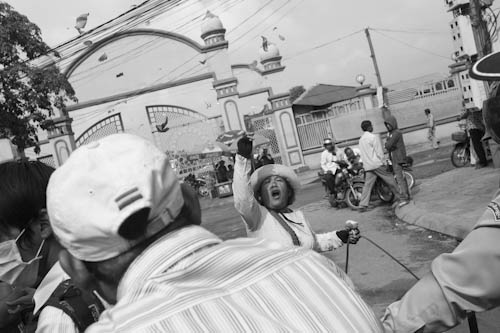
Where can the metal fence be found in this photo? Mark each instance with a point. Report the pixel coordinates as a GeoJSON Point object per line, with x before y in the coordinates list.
{"type": "Point", "coordinates": [311, 135]}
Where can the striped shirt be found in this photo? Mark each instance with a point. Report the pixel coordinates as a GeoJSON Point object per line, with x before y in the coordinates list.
{"type": "Point", "coordinates": [191, 281]}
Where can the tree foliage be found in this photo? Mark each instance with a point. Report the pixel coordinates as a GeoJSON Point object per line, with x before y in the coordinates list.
{"type": "Point", "coordinates": [295, 93]}
{"type": "Point", "coordinates": [29, 94]}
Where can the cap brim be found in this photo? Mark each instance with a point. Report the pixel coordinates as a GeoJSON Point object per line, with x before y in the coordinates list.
{"type": "Point", "coordinates": [487, 68]}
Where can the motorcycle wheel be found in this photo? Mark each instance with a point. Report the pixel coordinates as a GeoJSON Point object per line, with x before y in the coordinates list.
{"type": "Point", "coordinates": [460, 156]}
{"type": "Point", "coordinates": [383, 191]}
{"type": "Point", "coordinates": [352, 198]}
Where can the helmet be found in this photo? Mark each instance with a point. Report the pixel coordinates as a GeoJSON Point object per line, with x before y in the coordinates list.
{"type": "Point", "coordinates": [327, 141]}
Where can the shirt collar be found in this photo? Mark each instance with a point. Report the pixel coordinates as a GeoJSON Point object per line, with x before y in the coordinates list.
{"type": "Point", "coordinates": [164, 254]}
{"type": "Point", "coordinates": [50, 282]}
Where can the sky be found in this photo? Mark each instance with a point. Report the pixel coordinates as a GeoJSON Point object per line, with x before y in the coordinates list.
{"type": "Point", "coordinates": [411, 38]}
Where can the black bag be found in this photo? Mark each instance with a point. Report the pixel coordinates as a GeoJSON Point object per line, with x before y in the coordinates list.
{"type": "Point", "coordinates": [82, 307]}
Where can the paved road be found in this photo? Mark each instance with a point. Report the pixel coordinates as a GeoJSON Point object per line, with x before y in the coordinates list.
{"type": "Point", "coordinates": [380, 280]}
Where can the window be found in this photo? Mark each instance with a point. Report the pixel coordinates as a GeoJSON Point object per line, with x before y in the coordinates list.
{"type": "Point", "coordinates": [439, 86]}
{"type": "Point", "coordinates": [298, 120]}
{"type": "Point", "coordinates": [451, 84]}
{"type": "Point", "coordinates": [458, 35]}
{"type": "Point", "coordinates": [451, 25]}
{"type": "Point", "coordinates": [461, 48]}
{"type": "Point", "coordinates": [454, 38]}
{"type": "Point", "coordinates": [465, 88]}
{"type": "Point", "coordinates": [469, 87]}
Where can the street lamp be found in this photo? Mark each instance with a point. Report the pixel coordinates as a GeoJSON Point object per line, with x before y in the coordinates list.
{"type": "Point", "coordinates": [360, 78]}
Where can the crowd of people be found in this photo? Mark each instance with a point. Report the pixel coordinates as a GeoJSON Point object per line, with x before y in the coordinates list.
{"type": "Point", "coordinates": [113, 242]}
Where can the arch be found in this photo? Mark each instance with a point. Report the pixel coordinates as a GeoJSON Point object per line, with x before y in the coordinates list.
{"type": "Point", "coordinates": [104, 127]}
{"type": "Point", "coordinates": [451, 83]}
{"type": "Point", "coordinates": [179, 129]}
{"type": "Point", "coordinates": [124, 34]}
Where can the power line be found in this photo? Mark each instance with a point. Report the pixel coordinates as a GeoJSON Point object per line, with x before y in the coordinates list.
{"type": "Point", "coordinates": [410, 45]}
{"type": "Point", "coordinates": [410, 31]}
{"type": "Point", "coordinates": [323, 44]}
{"type": "Point", "coordinates": [270, 25]}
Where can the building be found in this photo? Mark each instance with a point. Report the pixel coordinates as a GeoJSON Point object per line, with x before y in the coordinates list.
{"type": "Point", "coordinates": [174, 91]}
{"type": "Point", "coordinates": [337, 111]}
{"type": "Point", "coordinates": [474, 92]}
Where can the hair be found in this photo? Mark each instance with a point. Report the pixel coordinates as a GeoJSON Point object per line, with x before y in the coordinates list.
{"type": "Point", "coordinates": [427, 111]}
{"type": "Point", "coordinates": [23, 186]}
{"type": "Point", "coordinates": [347, 149]}
{"type": "Point", "coordinates": [134, 227]}
{"type": "Point", "coordinates": [365, 124]}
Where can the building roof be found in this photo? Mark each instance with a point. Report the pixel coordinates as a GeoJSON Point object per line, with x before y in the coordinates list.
{"type": "Point", "coordinates": [325, 94]}
{"type": "Point", "coordinates": [417, 82]}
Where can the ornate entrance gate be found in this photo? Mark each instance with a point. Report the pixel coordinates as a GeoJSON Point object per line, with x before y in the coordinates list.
{"type": "Point", "coordinates": [178, 131]}
{"type": "Point", "coordinates": [104, 127]}
{"type": "Point", "coordinates": [264, 126]}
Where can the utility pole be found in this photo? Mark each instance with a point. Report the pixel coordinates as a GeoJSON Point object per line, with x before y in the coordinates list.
{"type": "Point", "coordinates": [481, 34]}
{"type": "Point", "coordinates": [372, 55]}
{"type": "Point", "coordinates": [385, 111]}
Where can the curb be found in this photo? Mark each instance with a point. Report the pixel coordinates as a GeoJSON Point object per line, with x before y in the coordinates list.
{"type": "Point", "coordinates": [441, 223]}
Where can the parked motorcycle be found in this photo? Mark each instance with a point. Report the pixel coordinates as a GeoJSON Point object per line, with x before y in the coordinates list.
{"type": "Point", "coordinates": [198, 184]}
{"type": "Point", "coordinates": [460, 155]}
{"type": "Point", "coordinates": [382, 190]}
{"type": "Point", "coordinates": [348, 191]}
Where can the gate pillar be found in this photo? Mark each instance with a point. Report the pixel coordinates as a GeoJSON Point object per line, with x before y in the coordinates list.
{"type": "Point", "coordinates": [286, 131]}
{"type": "Point", "coordinates": [61, 138]}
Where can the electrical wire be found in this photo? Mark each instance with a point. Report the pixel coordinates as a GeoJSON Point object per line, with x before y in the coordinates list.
{"type": "Point", "coordinates": [323, 45]}
{"type": "Point", "coordinates": [263, 30]}
{"type": "Point", "coordinates": [410, 45]}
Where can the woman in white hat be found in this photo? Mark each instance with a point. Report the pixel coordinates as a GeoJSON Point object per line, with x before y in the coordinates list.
{"type": "Point", "coordinates": [263, 201]}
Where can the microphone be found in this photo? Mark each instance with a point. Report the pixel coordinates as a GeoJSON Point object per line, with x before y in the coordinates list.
{"type": "Point", "coordinates": [350, 225]}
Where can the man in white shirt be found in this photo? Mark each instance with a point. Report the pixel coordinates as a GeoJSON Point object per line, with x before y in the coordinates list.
{"type": "Point", "coordinates": [431, 126]}
{"type": "Point", "coordinates": [330, 158]}
{"type": "Point", "coordinates": [372, 154]}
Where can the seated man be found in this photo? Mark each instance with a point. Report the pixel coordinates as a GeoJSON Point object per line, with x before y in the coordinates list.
{"type": "Point", "coordinates": [132, 233]}
{"type": "Point", "coordinates": [330, 159]}
{"type": "Point", "coordinates": [354, 159]}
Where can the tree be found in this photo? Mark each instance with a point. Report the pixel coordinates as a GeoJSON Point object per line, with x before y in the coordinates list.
{"type": "Point", "coordinates": [29, 94]}
{"type": "Point", "coordinates": [295, 93]}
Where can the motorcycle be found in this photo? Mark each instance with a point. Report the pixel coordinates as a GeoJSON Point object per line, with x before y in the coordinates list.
{"type": "Point", "coordinates": [198, 184]}
{"type": "Point", "coordinates": [460, 155]}
{"type": "Point", "coordinates": [348, 191]}
{"type": "Point", "coordinates": [382, 190]}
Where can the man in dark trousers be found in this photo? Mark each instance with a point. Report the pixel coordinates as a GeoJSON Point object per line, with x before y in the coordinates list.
{"type": "Point", "coordinates": [395, 145]}
{"type": "Point", "coordinates": [475, 127]}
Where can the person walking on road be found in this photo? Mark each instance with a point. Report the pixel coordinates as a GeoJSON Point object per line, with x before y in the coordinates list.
{"type": "Point", "coordinates": [467, 279]}
{"type": "Point", "coordinates": [372, 155]}
{"type": "Point", "coordinates": [263, 199]}
{"type": "Point", "coordinates": [475, 127]}
{"type": "Point", "coordinates": [395, 145]}
{"type": "Point", "coordinates": [431, 127]}
{"type": "Point", "coordinates": [142, 248]}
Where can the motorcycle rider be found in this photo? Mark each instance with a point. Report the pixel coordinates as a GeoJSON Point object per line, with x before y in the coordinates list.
{"type": "Point", "coordinates": [466, 279]}
{"type": "Point", "coordinates": [331, 157]}
{"type": "Point", "coordinates": [263, 201]}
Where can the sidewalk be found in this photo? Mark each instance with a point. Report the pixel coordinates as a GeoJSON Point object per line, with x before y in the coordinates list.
{"type": "Point", "coordinates": [452, 202]}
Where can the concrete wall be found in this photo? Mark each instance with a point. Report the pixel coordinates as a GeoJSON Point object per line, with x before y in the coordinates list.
{"type": "Point", "coordinates": [414, 137]}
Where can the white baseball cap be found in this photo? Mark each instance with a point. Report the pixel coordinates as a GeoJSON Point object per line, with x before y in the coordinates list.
{"type": "Point", "coordinates": [101, 185]}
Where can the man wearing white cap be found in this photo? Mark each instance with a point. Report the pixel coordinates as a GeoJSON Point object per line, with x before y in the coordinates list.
{"type": "Point", "coordinates": [132, 233]}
